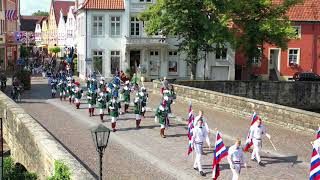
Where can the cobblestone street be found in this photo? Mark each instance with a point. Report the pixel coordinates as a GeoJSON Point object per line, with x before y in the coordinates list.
{"type": "Point", "coordinates": [142, 154]}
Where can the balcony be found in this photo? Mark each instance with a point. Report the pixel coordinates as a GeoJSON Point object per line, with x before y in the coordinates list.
{"type": "Point", "coordinates": [145, 41]}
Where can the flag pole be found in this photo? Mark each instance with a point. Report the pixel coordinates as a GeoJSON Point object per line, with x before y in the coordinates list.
{"type": "Point", "coordinates": [274, 147]}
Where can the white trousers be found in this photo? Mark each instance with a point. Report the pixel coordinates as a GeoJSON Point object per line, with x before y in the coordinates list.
{"type": "Point", "coordinates": [198, 151]}
{"type": "Point", "coordinates": [77, 100]}
{"type": "Point", "coordinates": [113, 119]}
{"type": "Point", "coordinates": [90, 106]}
{"type": "Point", "coordinates": [236, 171]}
{"type": "Point", "coordinates": [162, 126]}
{"type": "Point", "coordinates": [101, 111]}
{"type": "Point", "coordinates": [257, 144]}
{"type": "Point", "coordinates": [138, 117]}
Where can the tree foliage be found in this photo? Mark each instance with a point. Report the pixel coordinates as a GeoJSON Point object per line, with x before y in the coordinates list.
{"type": "Point", "coordinates": [260, 22]}
{"type": "Point", "coordinates": [55, 50]}
{"type": "Point", "coordinates": [40, 13]}
{"type": "Point", "coordinates": [202, 25]}
{"type": "Point", "coordinates": [61, 172]}
{"type": "Point", "coordinates": [197, 25]}
{"type": "Point", "coordinates": [11, 171]}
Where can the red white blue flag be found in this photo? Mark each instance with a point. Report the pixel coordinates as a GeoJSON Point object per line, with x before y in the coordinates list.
{"type": "Point", "coordinates": [249, 143]}
{"type": "Point", "coordinates": [190, 129]}
{"type": "Point", "coordinates": [315, 165]}
{"type": "Point", "coordinates": [318, 133]}
{"type": "Point", "coordinates": [11, 15]}
{"type": "Point", "coordinates": [220, 151]}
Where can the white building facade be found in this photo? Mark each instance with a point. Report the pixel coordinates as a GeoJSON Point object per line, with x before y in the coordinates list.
{"type": "Point", "coordinates": [71, 28]}
{"type": "Point", "coordinates": [115, 38]}
{"type": "Point", "coordinates": [61, 33]}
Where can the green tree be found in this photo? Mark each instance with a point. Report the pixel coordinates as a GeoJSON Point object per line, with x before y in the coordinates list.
{"type": "Point", "coordinates": [40, 13]}
{"type": "Point", "coordinates": [55, 50]}
{"type": "Point", "coordinates": [260, 22]}
{"type": "Point", "coordinates": [11, 171]}
{"type": "Point", "coordinates": [198, 25]}
{"type": "Point", "coordinates": [61, 172]}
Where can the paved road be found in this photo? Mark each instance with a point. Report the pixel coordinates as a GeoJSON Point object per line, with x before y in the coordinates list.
{"type": "Point", "coordinates": [142, 154]}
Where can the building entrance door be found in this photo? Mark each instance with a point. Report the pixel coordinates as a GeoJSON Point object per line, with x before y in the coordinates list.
{"type": "Point", "coordinates": [134, 61]}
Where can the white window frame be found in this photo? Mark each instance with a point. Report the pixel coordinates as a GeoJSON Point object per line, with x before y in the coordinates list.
{"type": "Point", "coordinates": [135, 22]}
{"type": "Point", "coordinates": [115, 56]}
{"type": "Point", "coordinates": [115, 22]}
{"type": "Point", "coordinates": [256, 61]}
{"type": "Point", "coordinates": [299, 31]}
{"type": "Point", "coordinates": [173, 55]}
{"type": "Point", "coordinates": [98, 21]}
{"type": "Point", "coordinates": [298, 56]}
{"type": "Point", "coordinates": [221, 57]}
{"type": "Point", "coordinates": [98, 55]}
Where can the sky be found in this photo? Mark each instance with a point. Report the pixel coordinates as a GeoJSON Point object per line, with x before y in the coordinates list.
{"type": "Point", "coordinates": [28, 7]}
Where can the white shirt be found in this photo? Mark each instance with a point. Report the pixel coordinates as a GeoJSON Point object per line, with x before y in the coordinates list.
{"type": "Point", "coordinates": [235, 155]}
{"type": "Point", "coordinates": [199, 134]}
{"type": "Point", "coordinates": [205, 124]}
{"type": "Point", "coordinates": [257, 132]}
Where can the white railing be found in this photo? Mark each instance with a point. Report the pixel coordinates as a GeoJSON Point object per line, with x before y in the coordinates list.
{"type": "Point", "coordinates": [145, 40]}
{"type": "Point", "coordinates": [137, 7]}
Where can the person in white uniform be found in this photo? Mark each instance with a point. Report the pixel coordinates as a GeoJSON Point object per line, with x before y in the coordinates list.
{"type": "Point", "coordinates": [199, 135]}
{"type": "Point", "coordinates": [256, 133]}
{"type": "Point", "coordinates": [236, 159]}
{"type": "Point", "coordinates": [205, 125]}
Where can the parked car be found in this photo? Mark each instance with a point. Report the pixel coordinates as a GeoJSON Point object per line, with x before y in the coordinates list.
{"type": "Point", "coordinates": [306, 76]}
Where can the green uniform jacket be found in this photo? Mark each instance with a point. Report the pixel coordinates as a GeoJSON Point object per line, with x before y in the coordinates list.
{"type": "Point", "coordinates": [126, 95]}
{"type": "Point", "coordinates": [78, 94]}
{"type": "Point", "coordinates": [138, 107]}
{"type": "Point", "coordinates": [102, 102]}
{"type": "Point", "coordinates": [162, 115]}
{"type": "Point", "coordinates": [114, 112]}
{"type": "Point", "coordinates": [92, 98]}
{"type": "Point", "coordinates": [61, 87]}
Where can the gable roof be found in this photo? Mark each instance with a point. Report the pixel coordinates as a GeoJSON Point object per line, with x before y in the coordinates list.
{"type": "Point", "coordinates": [28, 23]}
{"type": "Point", "coordinates": [61, 5]}
{"type": "Point", "coordinates": [103, 4]}
{"type": "Point", "coordinates": [308, 10]}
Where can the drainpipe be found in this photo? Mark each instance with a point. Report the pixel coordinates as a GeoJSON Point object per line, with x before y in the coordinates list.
{"type": "Point", "coordinates": [314, 48]}
{"type": "Point", "coordinates": [86, 42]}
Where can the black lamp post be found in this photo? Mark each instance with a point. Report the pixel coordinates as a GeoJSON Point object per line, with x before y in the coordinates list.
{"type": "Point", "coordinates": [100, 136]}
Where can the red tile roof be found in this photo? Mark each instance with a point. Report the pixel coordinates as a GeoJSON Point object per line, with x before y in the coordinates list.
{"type": "Point", "coordinates": [104, 4]}
{"type": "Point", "coordinates": [308, 10]}
{"type": "Point", "coordinates": [61, 5]}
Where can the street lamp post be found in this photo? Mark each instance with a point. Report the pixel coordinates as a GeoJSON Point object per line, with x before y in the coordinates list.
{"type": "Point", "coordinates": [100, 136]}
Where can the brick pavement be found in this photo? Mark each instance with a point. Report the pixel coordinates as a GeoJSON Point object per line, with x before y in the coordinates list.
{"type": "Point", "coordinates": [166, 158]}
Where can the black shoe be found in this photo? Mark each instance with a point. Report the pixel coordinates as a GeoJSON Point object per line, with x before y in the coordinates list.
{"type": "Point", "coordinates": [195, 169]}
{"type": "Point", "coordinates": [254, 159]}
{"type": "Point", "coordinates": [261, 164]}
{"type": "Point", "coordinates": [202, 173]}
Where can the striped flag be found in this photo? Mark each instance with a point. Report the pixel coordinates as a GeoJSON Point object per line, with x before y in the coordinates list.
{"type": "Point", "coordinates": [11, 15]}
{"type": "Point", "coordinates": [315, 165]}
{"type": "Point", "coordinates": [318, 133]}
{"type": "Point", "coordinates": [249, 142]}
{"type": "Point", "coordinates": [220, 151]}
{"type": "Point", "coordinates": [190, 129]}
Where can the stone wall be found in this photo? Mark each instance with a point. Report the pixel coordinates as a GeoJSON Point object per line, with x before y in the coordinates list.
{"type": "Point", "coordinates": [32, 146]}
{"type": "Point", "coordinates": [302, 95]}
{"type": "Point", "coordinates": [281, 115]}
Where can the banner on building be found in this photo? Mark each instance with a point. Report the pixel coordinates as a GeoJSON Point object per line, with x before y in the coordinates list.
{"type": "Point", "coordinates": [11, 15]}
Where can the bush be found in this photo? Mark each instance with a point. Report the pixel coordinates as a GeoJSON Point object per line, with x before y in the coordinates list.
{"type": "Point", "coordinates": [61, 172]}
{"type": "Point", "coordinates": [25, 78]}
{"type": "Point", "coordinates": [11, 171]}
{"type": "Point", "coordinates": [54, 50]}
